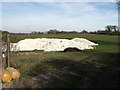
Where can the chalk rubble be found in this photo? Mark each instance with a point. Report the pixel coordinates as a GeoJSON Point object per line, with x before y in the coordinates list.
{"type": "Point", "coordinates": [48, 45]}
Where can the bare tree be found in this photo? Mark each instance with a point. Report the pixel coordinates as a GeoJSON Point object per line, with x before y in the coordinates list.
{"type": "Point", "coordinates": [115, 28]}
{"type": "Point", "coordinates": [109, 28]}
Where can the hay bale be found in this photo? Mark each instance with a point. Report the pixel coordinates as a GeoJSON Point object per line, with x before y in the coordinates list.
{"type": "Point", "coordinates": [5, 76]}
{"type": "Point", "coordinates": [70, 49]}
{"type": "Point", "coordinates": [15, 74]}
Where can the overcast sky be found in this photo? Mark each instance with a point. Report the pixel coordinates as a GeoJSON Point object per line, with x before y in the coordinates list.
{"type": "Point", "coordinates": [66, 16]}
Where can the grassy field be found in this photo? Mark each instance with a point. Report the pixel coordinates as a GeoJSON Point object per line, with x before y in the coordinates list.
{"type": "Point", "coordinates": [106, 42]}
{"type": "Point", "coordinates": [89, 68]}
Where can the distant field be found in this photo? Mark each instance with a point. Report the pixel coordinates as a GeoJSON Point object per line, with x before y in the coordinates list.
{"type": "Point", "coordinates": [90, 68]}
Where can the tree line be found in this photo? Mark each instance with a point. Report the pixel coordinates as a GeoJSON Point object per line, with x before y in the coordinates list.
{"type": "Point", "coordinates": [109, 29]}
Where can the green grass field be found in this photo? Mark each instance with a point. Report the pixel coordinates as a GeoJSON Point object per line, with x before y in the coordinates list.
{"type": "Point", "coordinates": [89, 68]}
{"type": "Point", "coordinates": [106, 42]}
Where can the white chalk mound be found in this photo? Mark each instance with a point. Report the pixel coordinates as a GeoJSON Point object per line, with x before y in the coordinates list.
{"type": "Point", "coordinates": [48, 45]}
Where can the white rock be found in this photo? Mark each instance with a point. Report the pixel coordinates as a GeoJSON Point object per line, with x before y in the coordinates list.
{"type": "Point", "coordinates": [48, 45]}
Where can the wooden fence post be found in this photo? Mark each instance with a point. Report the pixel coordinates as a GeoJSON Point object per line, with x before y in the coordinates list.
{"type": "Point", "coordinates": [0, 59]}
{"type": "Point", "coordinates": [8, 49]}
